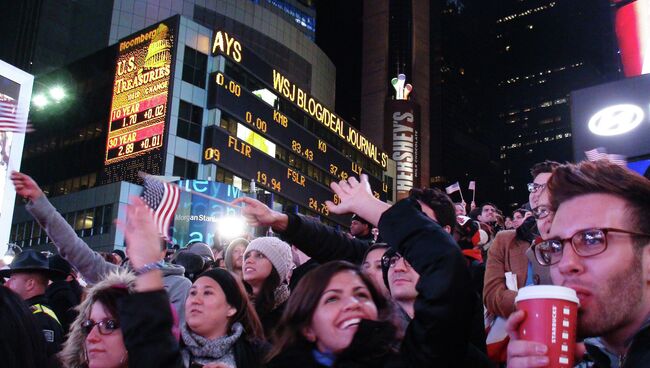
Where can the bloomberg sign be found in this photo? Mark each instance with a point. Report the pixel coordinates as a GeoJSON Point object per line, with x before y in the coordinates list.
{"type": "Point", "coordinates": [615, 116]}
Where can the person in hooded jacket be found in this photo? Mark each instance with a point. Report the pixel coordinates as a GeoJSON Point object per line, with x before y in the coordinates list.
{"type": "Point", "coordinates": [89, 263]}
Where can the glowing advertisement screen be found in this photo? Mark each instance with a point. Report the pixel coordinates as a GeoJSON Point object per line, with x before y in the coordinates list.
{"type": "Point", "coordinates": [197, 218]}
{"type": "Point", "coordinates": [615, 116]}
{"type": "Point", "coordinates": [140, 103]}
{"type": "Point", "coordinates": [633, 34]}
{"type": "Point", "coordinates": [15, 93]}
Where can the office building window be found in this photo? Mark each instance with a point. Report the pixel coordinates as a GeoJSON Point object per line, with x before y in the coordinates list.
{"type": "Point", "coordinates": [189, 121]}
{"type": "Point", "coordinates": [185, 169]}
{"type": "Point", "coordinates": [195, 65]}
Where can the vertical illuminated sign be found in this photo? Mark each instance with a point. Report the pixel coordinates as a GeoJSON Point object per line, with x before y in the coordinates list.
{"type": "Point", "coordinates": [403, 138]}
{"type": "Point", "coordinates": [140, 103]}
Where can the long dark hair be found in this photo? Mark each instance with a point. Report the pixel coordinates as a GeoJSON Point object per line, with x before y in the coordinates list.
{"type": "Point", "coordinates": [237, 298]}
{"type": "Point", "coordinates": [21, 341]}
{"type": "Point", "coordinates": [305, 298]}
{"type": "Point", "coordinates": [265, 299]}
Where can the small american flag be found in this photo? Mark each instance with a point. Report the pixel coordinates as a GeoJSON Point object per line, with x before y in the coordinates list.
{"type": "Point", "coordinates": [453, 188]}
{"type": "Point", "coordinates": [596, 154]}
{"type": "Point", "coordinates": [472, 185]}
{"type": "Point", "coordinates": [600, 153]}
{"type": "Point", "coordinates": [163, 199]}
{"type": "Point", "coordinates": [12, 119]}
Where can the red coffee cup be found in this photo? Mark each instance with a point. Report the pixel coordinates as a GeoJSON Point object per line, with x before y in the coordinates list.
{"type": "Point", "coordinates": [551, 319]}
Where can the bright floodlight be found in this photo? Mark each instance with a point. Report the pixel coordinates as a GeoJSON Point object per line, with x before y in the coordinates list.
{"type": "Point", "coordinates": [230, 227]}
{"type": "Point", "coordinates": [57, 93]}
{"type": "Point", "coordinates": [40, 101]}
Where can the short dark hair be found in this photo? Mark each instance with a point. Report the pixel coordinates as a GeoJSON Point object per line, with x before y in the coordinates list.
{"type": "Point", "coordinates": [489, 204]}
{"type": "Point", "coordinates": [573, 180]}
{"type": "Point", "coordinates": [543, 167]}
{"type": "Point", "coordinates": [439, 202]}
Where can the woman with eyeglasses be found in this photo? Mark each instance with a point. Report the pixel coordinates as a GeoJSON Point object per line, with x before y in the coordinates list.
{"type": "Point", "coordinates": [95, 338]}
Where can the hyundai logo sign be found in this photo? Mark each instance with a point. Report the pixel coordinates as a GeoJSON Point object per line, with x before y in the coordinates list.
{"type": "Point", "coordinates": [616, 120]}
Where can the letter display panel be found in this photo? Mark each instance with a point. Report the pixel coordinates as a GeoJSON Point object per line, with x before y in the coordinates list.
{"type": "Point", "coordinates": [244, 160]}
{"type": "Point", "coordinates": [140, 103]}
{"type": "Point", "coordinates": [227, 95]}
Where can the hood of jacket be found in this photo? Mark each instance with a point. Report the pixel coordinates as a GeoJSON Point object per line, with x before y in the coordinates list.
{"type": "Point", "coordinates": [73, 354]}
{"type": "Point", "coordinates": [170, 269]}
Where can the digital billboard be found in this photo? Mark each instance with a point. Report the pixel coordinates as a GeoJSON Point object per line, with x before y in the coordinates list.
{"type": "Point", "coordinates": [197, 217]}
{"type": "Point", "coordinates": [614, 115]}
{"type": "Point", "coordinates": [633, 34]}
{"type": "Point", "coordinates": [225, 150]}
{"type": "Point", "coordinates": [15, 95]}
{"type": "Point", "coordinates": [229, 46]}
{"type": "Point", "coordinates": [140, 103]}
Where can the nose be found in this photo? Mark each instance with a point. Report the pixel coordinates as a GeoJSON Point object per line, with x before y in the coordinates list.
{"type": "Point", "coordinates": [400, 265]}
{"type": "Point", "coordinates": [352, 304]}
{"type": "Point", "coordinates": [94, 335]}
{"type": "Point", "coordinates": [571, 262]}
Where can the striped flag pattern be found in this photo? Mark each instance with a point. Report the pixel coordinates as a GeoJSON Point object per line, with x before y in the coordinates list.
{"type": "Point", "coordinates": [453, 188]}
{"type": "Point", "coordinates": [600, 153]}
{"type": "Point", "coordinates": [163, 199]}
{"type": "Point", "coordinates": [472, 185]}
{"type": "Point", "coordinates": [11, 119]}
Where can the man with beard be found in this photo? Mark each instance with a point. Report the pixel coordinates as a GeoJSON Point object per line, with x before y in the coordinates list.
{"type": "Point", "coordinates": [598, 246]}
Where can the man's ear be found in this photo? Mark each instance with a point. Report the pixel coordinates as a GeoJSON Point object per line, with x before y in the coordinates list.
{"type": "Point", "coordinates": [309, 334]}
{"type": "Point", "coordinates": [447, 229]}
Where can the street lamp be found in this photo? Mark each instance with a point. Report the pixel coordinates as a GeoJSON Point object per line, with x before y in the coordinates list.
{"type": "Point", "coordinates": [55, 94]}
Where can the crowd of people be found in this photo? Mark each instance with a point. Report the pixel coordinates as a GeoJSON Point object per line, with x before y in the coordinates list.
{"type": "Point", "coordinates": [420, 283]}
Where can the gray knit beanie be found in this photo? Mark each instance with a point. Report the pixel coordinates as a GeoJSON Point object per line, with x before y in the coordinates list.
{"type": "Point", "coordinates": [277, 251]}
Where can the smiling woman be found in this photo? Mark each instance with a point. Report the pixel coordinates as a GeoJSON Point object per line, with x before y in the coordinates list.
{"type": "Point", "coordinates": [335, 313]}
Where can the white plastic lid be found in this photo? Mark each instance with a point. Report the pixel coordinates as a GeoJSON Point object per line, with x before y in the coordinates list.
{"type": "Point", "coordinates": [547, 292]}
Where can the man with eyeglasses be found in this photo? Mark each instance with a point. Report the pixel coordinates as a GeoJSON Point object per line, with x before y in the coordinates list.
{"type": "Point", "coordinates": [509, 250]}
{"type": "Point", "coordinates": [598, 246]}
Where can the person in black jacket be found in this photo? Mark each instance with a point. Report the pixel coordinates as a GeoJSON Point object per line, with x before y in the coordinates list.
{"type": "Point", "coordinates": [62, 292]}
{"type": "Point", "coordinates": [21, 340]}
{"type": "Point", "coordinates": [28, 277]}
{"type": "Point", "coordinates": [336, 317]}
{"type": "Point", "coordinates": [222, 329]}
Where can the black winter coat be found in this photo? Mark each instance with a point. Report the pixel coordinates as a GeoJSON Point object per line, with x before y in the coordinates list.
{"type": "Point", "coordinates": [439, 334]}
{"type": "Point", "coordinates": [146, 321]}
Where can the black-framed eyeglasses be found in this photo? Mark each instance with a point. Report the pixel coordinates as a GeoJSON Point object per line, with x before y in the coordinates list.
{"type": "Point", "coordinates": [541, 212]}
{"type": "Point", "coordinates": [534, 187]}
{"type": "Point", "coordinates": [105, 327]}
{"type": "Point", "coordinates": [390, 260]}
{"type": "Point", "coordinates": [585, 243]}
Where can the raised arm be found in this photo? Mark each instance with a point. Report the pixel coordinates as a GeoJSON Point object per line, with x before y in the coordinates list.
{"type": "Point", "coordinates": [320, 242]}
{"type": "Point", "coordinates": [88, 262]}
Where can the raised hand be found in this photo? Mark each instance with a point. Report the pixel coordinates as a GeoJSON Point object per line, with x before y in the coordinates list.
{"type": "Point", "coordinates": [259, 214]}
{"type": "Point", "coordinates": [356, 197]}
{"type": "Point", "coordinates": [25, 186]}
{"type": "Point", "coordinates": [142, 237]}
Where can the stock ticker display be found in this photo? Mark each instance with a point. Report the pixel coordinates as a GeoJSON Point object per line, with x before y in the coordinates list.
{"type": "Point", "coordinates": [140, 102]}
{"type": "Point", "coordinates": [244, 159]}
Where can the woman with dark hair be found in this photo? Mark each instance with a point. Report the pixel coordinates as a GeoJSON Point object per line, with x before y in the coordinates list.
{"type": "Point", "coordinates": [371, 266]}
{"type": "Point", "coordinates": [21, 341]}
{"type": "Point", "coordinates": [336, 316]}
{"type": "Point", "coordinates": [221, 328]}
{"type": "Point", "coordinates": [221, 325]}
{"type": "Point", "coordinates": [267, 266]}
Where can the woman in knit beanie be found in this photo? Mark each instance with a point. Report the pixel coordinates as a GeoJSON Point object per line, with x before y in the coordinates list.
{"type": "Point", "coordinates": [267, 266]}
